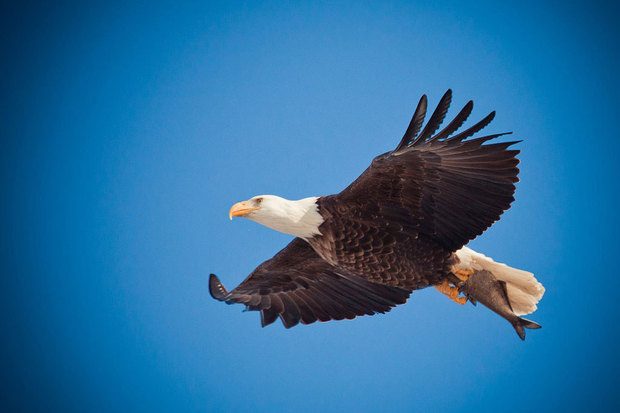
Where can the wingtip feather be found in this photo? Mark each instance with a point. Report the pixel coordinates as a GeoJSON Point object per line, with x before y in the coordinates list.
{"type": "Point", "coordinates": [416, 123]}
{"type": "Point", "coordinates": [216, 288]}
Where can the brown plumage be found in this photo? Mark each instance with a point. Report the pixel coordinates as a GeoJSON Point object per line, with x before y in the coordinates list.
{"type": "Point", "coordinates": [395, 229]}
{"type": "Point", "coordinates": [298, 286]}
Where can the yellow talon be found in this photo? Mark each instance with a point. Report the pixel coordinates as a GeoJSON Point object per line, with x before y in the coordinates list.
{"type": "Point", "coordinates": [463, 275]}
{"type": "Point", "coordinates": [451, 291]}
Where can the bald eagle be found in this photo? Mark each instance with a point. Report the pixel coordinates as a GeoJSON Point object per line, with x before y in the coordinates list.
{"type": "Point", "coordinates": [402, 225]}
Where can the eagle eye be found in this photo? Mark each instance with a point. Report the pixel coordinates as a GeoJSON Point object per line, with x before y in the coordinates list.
{"type": "Point", "coordinates": [258, 200]}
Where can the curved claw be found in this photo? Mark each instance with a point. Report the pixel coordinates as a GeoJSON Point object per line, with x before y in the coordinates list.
{"type": "Point", "coordinates": [452, 292]}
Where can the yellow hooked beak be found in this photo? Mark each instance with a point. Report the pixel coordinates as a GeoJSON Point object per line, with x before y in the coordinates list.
{"type": "Point", "coordinates": [241, 209]}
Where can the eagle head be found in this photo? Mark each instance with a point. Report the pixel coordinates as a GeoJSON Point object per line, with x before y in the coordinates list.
{"type": "Point", "coordinates": [300, 218]}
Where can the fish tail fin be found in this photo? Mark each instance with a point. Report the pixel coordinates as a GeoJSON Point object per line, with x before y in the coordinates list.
{"type": "Point", "coordinates": [523, 289]}
{"type": "Point", "coordinates": [520, 324]}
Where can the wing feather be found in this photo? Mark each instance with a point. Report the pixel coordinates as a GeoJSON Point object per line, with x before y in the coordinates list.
{"type": "Point", "coordinates": [297, 286]}
{"type": "Point", "coordinates": [474, 129]}
{"type": "Point", "coordinates": [447, 186]}
{"type": "Point", "coordinates": [457, 122]}
{"type": "Point", "coordinates": [436, 118]}
{"type": "Point", "coordinates": [414, 126]}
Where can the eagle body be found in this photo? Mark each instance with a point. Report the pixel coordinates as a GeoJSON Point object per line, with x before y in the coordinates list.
{"type": "Point", "coordinates": [380, 250]}
{"type": "Point", "coordinates": [402, 225]}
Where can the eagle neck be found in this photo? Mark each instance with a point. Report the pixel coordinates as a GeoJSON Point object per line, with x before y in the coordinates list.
{"type": "Point", "coordinates": [300, 218]}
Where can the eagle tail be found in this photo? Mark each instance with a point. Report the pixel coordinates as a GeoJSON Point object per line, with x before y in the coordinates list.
{"type": "Point", "coordinates": [523, 289]}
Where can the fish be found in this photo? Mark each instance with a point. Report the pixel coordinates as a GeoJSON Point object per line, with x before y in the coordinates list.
{"type": "Point", "coordinates": [483, 287]}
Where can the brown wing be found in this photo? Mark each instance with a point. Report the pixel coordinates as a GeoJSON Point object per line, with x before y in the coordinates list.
{"type": "Point", "coordinates": [445, 187]}
{"type": "Point", "coordinates": [298, 286]}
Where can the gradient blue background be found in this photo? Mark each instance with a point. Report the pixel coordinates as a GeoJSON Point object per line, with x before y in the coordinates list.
{"type": "Point", "coordinates": [128, 131]}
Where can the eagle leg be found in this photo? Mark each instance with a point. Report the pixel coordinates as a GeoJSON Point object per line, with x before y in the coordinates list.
{"type": "Point", "coordinates": [445, 287]}
{"type": "Point", "coordinates": [463, 274]}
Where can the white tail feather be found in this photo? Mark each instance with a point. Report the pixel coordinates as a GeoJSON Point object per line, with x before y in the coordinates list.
{"type": "Point", "coordinates": [524, 290]}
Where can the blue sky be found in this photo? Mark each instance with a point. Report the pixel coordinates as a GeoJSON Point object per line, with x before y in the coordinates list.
{"type": "Point", "coordinates": [128, 131]}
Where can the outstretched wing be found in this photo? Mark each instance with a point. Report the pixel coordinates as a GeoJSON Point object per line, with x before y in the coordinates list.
{"type": "Point", "coordinates": [298, 286]}
{"type": "Point", "coordinates": [442, 185]}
